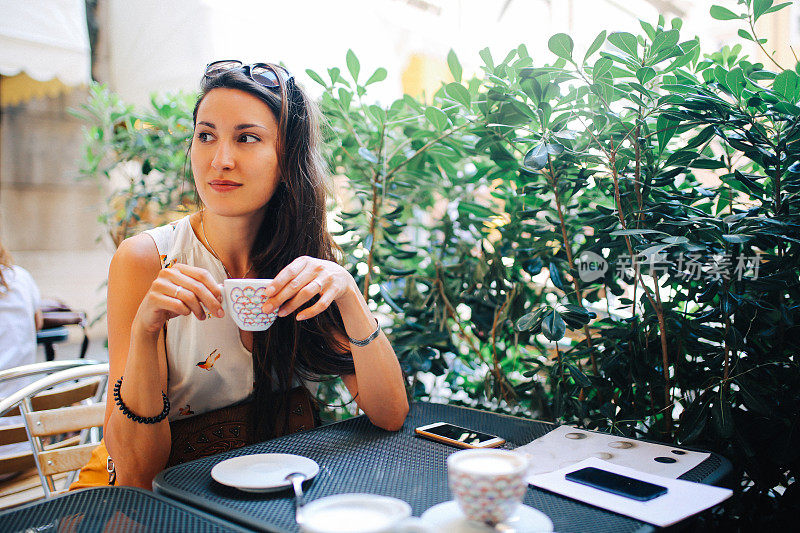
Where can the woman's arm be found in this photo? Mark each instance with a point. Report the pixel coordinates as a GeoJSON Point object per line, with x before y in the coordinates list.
{"type": "Point", "coordinates": [141, 298]}
{"type": "Point", "coordinates": [378, 385]}
{"type": "Point", "coordinates": [139, 451]}
{"type": "Point", "coordinates": [378, 380]}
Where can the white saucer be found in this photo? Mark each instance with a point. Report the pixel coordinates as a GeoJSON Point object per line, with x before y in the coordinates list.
{"type": "Point", "coordinates": [448, 517]}
{"type": "Point", "coordinates": [263, 472]}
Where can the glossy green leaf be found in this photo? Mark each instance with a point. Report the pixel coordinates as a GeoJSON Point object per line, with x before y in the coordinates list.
{"type": "Point", "coordinates": [737, 239]}
{"type": "Point", "coordinates": [395, 213]}
{"type": "Point", "coordinates": [459, 93]}
{"type": "Point", "coordinates": [388, 299]}
{"type": "Point", "coordinates": [723, 418]}
{"type": "Point", "coordinates": [561, 45]}
{"type": "Point", "coordinates": [623, 232]}
{"type": "Point", "coordinates": [648, 28]}
{"type": "Point", "coordinates": [624, 41]}
{"type": "Point", "coordinates": [753, 401]}
{"type": "Point", "coordinates": [437, 117]}
{"type": "Point", "coordinates": [536, 158]}
{"type": "Point", "coordinates": [664, 40]}
{"type": "Point", "coordinates": [454, 65]}
{"type": "Point", "coordinates": [316, 77]}
{"type": "Point", "coordinates": [778, 7]}
{"type": "Point", "coordinates": [553, 326]}
{"type": "Point", "coordinates": [345, 97]}
{"type": "Point", "coordinates": [665, 130]}
{"type": "Point", "coordinates": [353, 64]}
{"type": "Point", "coordinates": [760, 7]}
{"type": "Point", "coordinates": [398, 271]}
{"type": "Point", "coordinates": [335, 74]}
{"type": "Point", "coordinates": [379, 75]}
{"type": "Point", "coordinates": [645, 74]}
{"type": "Point", "coordinates": [531, 321]}
{"type": "Point", "coordinates": [701, 138]}
{"type": "Point", "coordinates": [787, 84]}
{"type": "Point", "coordinates": [486, 55]}
{"type": "Point", "coordinates": [602, 69]}
{"type": "Point", "coordinates": [723, 13]}
{"type": "Point", "coordinates": [475, 209]}
{"type": "Point", "coordinates": [787, 108]}
{"type": "Point", "coordinates": [681, 158]}
{"type": "Point", "coordinates": [693, 420]}
{"type": "Point", "coordinates": [736, 81]}
{"type": "Point", "coordinates": [555, 276]}
{"type": "Point", "coordinates": [580, 378]}
{"type": "Point", "coordinates": [596, 44]}
{"type": "Point", "coordinates": [707, 163]}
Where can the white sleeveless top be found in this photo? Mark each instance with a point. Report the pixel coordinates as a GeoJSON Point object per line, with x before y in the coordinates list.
{"type": "Point", "coordinates": [209, 368]}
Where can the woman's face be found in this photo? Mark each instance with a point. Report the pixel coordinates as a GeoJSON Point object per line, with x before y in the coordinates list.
{"type": "Point", "coordinates": [234, 157]}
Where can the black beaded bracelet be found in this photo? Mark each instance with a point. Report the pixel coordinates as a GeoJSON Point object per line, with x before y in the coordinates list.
{"type": "Point", "coordinates": [136, 418]}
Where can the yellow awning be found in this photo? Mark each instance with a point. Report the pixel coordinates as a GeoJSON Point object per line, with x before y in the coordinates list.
{"type": "Point", "coordinates": [17, 89]}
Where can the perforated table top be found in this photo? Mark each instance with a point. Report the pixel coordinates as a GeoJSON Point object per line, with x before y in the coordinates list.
{"type": "Point", "coordinates": [103, 509]}
{"type": "Point", "coordinates": [355, 456]}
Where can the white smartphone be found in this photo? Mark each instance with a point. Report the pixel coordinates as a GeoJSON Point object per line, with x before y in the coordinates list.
{"type": "Point", "coordinates": [458, 436]}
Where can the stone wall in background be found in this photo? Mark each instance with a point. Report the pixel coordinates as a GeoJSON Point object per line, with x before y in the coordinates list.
{"type": "Point", "coordinates": [48, 218]}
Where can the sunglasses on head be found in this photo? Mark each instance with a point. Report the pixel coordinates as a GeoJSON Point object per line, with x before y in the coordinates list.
{"type": "Point", "coordinates": [260, 73]}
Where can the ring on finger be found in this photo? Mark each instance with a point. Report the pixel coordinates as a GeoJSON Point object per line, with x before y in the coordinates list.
{"type": "Point", "coordinates": [318, 284]}
{"type": "Point", "coordinates": [177, 290]}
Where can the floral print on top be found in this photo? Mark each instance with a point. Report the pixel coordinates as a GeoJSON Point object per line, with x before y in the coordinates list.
{"type": "Point", "coordinates": [208, 366]}
{"type": "Point", "coordinates": [209, 361]}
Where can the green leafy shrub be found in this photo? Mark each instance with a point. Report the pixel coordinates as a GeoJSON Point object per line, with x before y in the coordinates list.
{"type": "Point", "coordinates": [609, 240]}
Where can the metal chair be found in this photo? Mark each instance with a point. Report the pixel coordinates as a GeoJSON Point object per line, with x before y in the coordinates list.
{"type": "Point", "coordinates": [44, 368]}
{"type": "Point", "coordinates": [50, 412]}
{"type": "Point", "coordinates": [56, 316]}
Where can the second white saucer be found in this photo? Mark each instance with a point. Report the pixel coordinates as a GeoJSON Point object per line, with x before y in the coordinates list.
{"type": "Point", "coordinates": [448, 517]}
{"type": "Point", "coordinates": [262, 472]}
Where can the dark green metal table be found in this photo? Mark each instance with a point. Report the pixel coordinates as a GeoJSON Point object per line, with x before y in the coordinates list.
{"type": "Point", "coordinates": [103, 509]}
{"type": "Point", "coordinates": [355, 456]}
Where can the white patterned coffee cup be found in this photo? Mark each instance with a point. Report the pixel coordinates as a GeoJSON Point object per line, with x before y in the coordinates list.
{"type": "Point", "coordinates": [487, 484]}
{"type": "Point", "coordinates": [242, 299]}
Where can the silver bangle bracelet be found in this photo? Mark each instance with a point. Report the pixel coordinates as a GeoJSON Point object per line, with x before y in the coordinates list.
{"type": "Point", "coordinates": [372, 336]}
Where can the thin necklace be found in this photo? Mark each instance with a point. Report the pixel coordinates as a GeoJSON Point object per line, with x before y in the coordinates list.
{"type": "Point", "coordinates": [214, 252]}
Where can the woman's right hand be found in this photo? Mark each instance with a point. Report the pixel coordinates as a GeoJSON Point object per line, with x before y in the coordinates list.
{"type": "Point", "coordinates": [178, 290]}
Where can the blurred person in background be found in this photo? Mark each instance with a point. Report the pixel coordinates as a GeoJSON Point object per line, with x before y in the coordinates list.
{"type": "Point", "coordinates": [20, 317]}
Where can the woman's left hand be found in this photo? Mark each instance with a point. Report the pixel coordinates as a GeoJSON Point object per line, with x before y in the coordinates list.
{"type": "Point", "coordinates": [301, 280]}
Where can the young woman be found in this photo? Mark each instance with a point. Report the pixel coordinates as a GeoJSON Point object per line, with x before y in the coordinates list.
{"type": "Point", "coordinates": [258, 172]}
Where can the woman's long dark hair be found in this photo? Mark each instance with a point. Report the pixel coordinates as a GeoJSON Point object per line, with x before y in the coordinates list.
{"type": "Point", "coordinates": [294, 225]}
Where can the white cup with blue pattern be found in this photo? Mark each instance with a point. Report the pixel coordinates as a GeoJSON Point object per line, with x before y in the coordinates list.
{"type": "Point", "coordinates": [242, 300]}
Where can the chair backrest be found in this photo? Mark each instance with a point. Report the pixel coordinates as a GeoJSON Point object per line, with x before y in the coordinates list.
{"type": "Point", "coordinates": [51, 419]}
{"type": "Point", "coordinates": [13, 433]}
{"type": "Point", "coordinates": [36, 369]}
{"type": "Point", "coordinates": [53, 398]}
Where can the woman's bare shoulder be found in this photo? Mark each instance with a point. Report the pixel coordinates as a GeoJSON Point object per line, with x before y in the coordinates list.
{"type": "Point", "coordinates": [137, 252]}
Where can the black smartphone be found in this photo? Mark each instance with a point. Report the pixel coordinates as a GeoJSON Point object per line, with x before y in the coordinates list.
{"type": "Point", "coordinates": [458, 436]}
{"type": "Point", "coordinates": [617, 484]}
